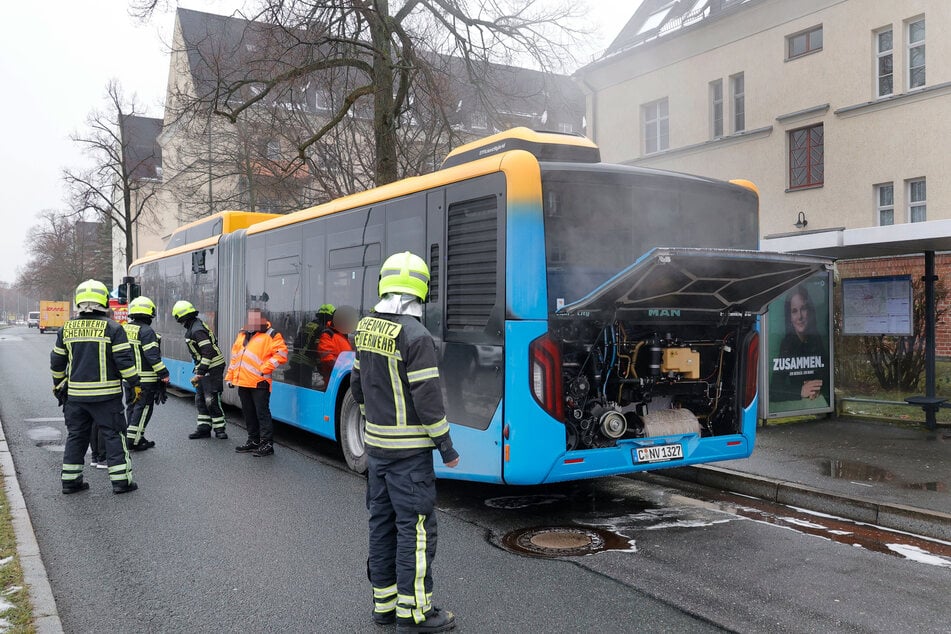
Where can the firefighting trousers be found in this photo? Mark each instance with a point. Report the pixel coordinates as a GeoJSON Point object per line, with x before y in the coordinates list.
{"type": "Point", "coordinates": [401, 495]}
{"type": "Point", "coordinates": [208, 399]}
{"type": "Point", "coordinates": [111, 420]}
{"type": "Point", "coordinates": [256, 406]}
{"type": "Point", "coordinates": [138, 414]}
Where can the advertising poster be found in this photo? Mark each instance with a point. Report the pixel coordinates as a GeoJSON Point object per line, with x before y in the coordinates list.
{"type": "Point", "coordinates": [798, 360]}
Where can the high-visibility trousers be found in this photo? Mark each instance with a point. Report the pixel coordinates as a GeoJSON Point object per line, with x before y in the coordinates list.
{"type": "Point", "coordinates": [110, 417]}
{"type": "Point", "coordinates": [139, 413]}
{"type": "Point", "coordinates": [401, 496]}
{"type": "Point", "coordinates": [208, 399]}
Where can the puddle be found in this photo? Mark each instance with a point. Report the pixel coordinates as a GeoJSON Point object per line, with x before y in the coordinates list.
{"type": "Point", "coordinates": [854, 470]}
{"type": "Point", "coordinates": [512, 502]}
{"type": "Point", "coordinates": [564, 541]}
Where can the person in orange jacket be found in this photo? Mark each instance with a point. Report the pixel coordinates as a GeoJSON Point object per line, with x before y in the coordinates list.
{"type": "Point", "coordinates": [258, 350]}
{"type": "Point", "coordinates": [333, 340]}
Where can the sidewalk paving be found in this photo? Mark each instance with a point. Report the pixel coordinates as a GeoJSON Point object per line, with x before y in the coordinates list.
{"type": "Point", "coordinates": [893, 475]}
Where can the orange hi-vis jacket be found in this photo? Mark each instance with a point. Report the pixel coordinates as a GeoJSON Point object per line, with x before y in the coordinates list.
{"type": "Point", "coordinates": [254, 356]}
{"type": "Point", "coordinates": [329, 347]}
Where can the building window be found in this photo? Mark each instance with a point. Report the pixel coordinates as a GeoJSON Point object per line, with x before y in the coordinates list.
{"type": "Point", "coordinates": [885, 198]}
{"type": "Point", "coordinates": [917, 201]}
{"type": "Point", "coordinates": [656, 126]}
{"type": "Point", "coordinates": [478, 121]}
{"type": "Point", "coordinates": [916, 53]}
{"type": "Point", "coordinates": [739, 102]}
{"type": "Point", "coordinates": [804, 42]}
{"type": "Point", "coordinates": [883, 62]}
{"type": "Point", "coordinates": [806, 157]}
{"type": "Point", "coordinates": [716, 108]}
{"type": "Point", "coordinates": [273, 150]}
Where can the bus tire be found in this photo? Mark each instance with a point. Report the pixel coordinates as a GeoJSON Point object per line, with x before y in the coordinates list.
{"type": "Point", "coordinates": [352, 425]}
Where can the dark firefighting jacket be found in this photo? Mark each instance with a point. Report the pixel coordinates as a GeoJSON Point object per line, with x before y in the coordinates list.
{"type": "Point", "coordinates": [203, 346]}
{"type": "Point", "coordinates": [93, 354]}
{"type": "Point", "coordinates": [396, 381]}
{"type": "Point", "coordinates": [146, 350]}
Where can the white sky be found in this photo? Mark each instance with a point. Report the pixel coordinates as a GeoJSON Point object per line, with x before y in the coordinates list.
{"type": "Point", "coordinates": [55, 60]}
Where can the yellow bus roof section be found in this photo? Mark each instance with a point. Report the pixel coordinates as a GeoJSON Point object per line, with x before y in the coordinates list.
{"type": "Point", "coordinates": [384, 193]}
{"type": "Point", "coordinates": [185, 248]}
{"type": "Point", "coordinates": [230, 220]}
{"type": "Point", "coordinates": [544, 145]}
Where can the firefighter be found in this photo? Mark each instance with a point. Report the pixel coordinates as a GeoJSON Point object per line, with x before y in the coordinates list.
{"type": "Point", "coordinates": [303, 361]}
{"type": "Point", "coordinates": [258, 350]}
{"type": "Point", "coordinates": [93, 356]}
{"type": "Point", "coordinates": [333, 340]}
{"type": "Point", "coordinates": [209, 372]}
{"type": "Point", "coordinates": [396, 381]}
{"type": "Point", "coordinates": [148, 362]}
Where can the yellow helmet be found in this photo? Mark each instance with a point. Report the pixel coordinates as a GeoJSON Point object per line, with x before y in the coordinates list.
{"type": "Point", "coordinates": [404, 273]}
{"type": "Point", "coordinates": [183, 309]}
{"type": "Point", "coordinates": [92, 291]}
{"type": "Point", "coordinates": [326, 309]}
{"type": "Point", "coordinates": [142, 305]}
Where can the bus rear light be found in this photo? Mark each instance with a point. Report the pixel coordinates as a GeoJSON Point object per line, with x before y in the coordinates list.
{"type": "Point", "coordinates": [751, 369]}
{"type": "Point", "coordinates": [733, 443]}
{"type": "Point", "coordinates": [574, 460]}
{"type": "Point", "coordinates": [545, 360]}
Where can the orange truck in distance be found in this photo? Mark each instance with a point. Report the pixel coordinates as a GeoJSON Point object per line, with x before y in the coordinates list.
{"type": "Point", "coordinates": [53, 315]}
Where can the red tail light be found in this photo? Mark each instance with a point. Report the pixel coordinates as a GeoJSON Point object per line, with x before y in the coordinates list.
{"type": "Point", "coordinates": [545, 361]}
{"type": "Point", "coordinates": [751, 369]}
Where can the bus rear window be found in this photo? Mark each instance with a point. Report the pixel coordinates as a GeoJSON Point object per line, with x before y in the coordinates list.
{"type": "Point", "coordinates": [599, 222]}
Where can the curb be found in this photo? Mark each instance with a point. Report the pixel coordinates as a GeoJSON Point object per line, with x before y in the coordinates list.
{"type": "Point", "coordinates": [45, 615]}
{"type": "Point", "coordinates": [894, 516]}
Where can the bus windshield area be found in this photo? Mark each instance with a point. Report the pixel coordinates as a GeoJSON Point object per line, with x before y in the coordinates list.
{"type": "Point", "coordinates": [600, 220]}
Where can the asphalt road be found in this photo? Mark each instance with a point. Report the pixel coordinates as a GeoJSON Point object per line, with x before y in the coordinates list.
{"type": "Point", "coordinates": [215, 541]}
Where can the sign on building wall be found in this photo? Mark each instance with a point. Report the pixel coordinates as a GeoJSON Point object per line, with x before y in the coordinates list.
{"type": "Point", "coordinates": [797, 364]}
{"type": "Point", "coordinates": [877, 306]}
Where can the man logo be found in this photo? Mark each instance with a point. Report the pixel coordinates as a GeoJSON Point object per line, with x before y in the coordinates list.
{"type": "Point", "coordinates": [663, 312]}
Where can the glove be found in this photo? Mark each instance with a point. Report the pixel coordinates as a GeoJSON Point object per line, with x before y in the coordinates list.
{"type": "Point", "coordinates": [195, 380]}
{"type": "Point", "coordinates": [137, 391]}
{"type": "Point", "coordinates": [230, 384]}
{"type": "Point", "coordinates": [161, 392]}
{"type": "Point", "coordinates": [59, 391]}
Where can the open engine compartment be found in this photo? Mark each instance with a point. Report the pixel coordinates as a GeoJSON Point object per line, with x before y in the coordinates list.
{"type": "Point", "coordinates": [630, 379]}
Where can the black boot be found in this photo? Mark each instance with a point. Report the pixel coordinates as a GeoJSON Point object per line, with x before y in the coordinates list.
{"type": "Point", "coordinates": [203, 431]}
{"type": "Point", "coordinates": [264, 449]}
{"type": "Point", "coordinates": [437, 620]}
{"type": "Point", "coordinates": [142, 445]}
{"type": "Point", "coordinates": [75, 486]}
{"type": "Point", "coordinates": [221, 434]}
{"type": "Point", "coordinates": [248, 447]}
{"type": "Point", "coordinates": [123, 487]}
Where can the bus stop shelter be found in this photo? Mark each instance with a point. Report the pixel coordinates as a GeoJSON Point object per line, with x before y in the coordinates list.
{"type": "Point", "coordinates": [910, 239]}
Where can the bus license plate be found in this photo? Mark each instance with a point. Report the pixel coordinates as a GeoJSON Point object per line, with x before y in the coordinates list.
{"type": "Point", "coordinates": [660, 453]}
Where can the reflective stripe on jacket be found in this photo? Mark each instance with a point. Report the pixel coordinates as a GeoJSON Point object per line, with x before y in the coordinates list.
{"type": "Point", "coordinates": [93, 353]}
{"type": "Point", "coordinates": [254, 356]}
{"type": "Point", "coordinates": [396, 380]}
{"type": "Point", "coordinates": [145, 349]}
{"type": "Point", "coordinates": [203, 346]}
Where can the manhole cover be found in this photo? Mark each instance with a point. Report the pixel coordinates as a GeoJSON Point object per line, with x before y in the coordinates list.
{"type": "Point", "coordinates": [561, 541]}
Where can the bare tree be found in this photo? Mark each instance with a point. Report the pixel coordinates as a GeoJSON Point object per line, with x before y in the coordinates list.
{"type": "Point", "coordinates": [368, 76]}
{"type": "Point", "coordinates": [119, 186]}
{"type": "Point", "coordinates": [63, 252]}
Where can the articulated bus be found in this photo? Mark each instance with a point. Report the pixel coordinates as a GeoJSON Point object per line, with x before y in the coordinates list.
{"type": "Point", "coordinates": [590, 318]}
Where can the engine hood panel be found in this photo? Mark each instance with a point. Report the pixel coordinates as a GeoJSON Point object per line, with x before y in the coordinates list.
{"type": "Point", "coordinates": [703, 280]}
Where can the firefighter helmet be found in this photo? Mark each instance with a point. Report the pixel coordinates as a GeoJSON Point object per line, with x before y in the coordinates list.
{"type": "Point", "coordinates": [404, 273]}
{"type": "Point", "coordinates": [326, 309]}
{"type": "Point", "coordinates": [142, 305]}
{"type": "Point", "coordinates": [183, 309]}
{"type": "Point", "coordinates": [92, 291]}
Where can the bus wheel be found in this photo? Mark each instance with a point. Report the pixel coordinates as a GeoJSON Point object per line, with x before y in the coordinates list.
{"type": "Point", "coordinates": [352, 425]}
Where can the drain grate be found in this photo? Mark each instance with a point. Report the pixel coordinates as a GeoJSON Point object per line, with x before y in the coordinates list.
{"type": "Point", "coordinates": [561, 541]}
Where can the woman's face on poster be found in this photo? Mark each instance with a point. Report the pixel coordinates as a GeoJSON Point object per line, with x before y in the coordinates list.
{"type": "Point", "coordinates": [799, 314]}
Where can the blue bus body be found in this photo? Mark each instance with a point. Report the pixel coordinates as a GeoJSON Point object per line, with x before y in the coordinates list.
{"type": "Point", "coordinates": [571, 346]}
